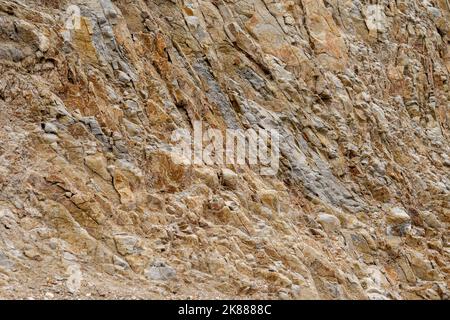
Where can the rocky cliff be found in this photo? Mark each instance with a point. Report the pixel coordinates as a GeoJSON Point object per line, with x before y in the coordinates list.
{"type": "Point", "coordinates": [94, 205]}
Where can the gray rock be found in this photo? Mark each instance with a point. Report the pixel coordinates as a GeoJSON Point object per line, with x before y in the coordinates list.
{"type": "Point", "coordinates": [229, 178]}
{"type": "Point", "coordinates": [123, 77]}
{"type": "Point", "coordinates": [160, 271]}
{"type": "Point", "coordinates": [120, 263]}
{"type": "Point", "coordinates": [132, 129]}
{"type": "Point", "coordinates": [5, 262]}
{"type": "Point", "coordinates": [109, 9]}
{"type": "Point", "coordinates": [436, 13]}
{"type": "Point", "coordinates": [257, 82]}
{"type": "Point", "coordinates": [95, 128]}
{"type": "Point", "coordinates": [50, 138]}
{"type": "Point", "coordinates": [215, 94]}
{"type": "Point", "coordinates": [396, 216]}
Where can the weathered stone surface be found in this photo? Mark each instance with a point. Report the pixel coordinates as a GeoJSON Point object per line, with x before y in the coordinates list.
{"type": "Point", "coordinates": [329, 222]}
{"type": "Point", "coordinates": [98, 164]}
{"type": "Point", "coordinates": [160, 271]}
{"type": "Point", "coordinates": [127, 244]}
{"type": "Point", "coordinates": [229, 178]}
{"type": "Point", "coordinates": [397, 216]}
{"type": "Point", "coordinates": [93, 196]}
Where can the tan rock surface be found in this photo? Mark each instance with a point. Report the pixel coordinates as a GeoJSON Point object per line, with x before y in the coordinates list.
{"type": "Point", "coordinates": [93, 204]}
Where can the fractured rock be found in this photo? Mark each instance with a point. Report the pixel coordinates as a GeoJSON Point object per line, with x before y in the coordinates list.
{"type": "Point", "coordinates": [329, 222]}
{"type": "Point", "coordinates": [160, 271]}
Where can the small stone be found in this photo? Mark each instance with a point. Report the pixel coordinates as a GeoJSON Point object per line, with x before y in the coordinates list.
{"type": "Point", "coordinates": [32, 254]}
{"type": "Point", "coordinates": [5, 262]}
{"type": "Point", "coordinates": [123, 77]}
{"type": "Point", "coordinates": [431, 220]}
{"type": "Point", "coordinates": [50, 138]}
{"type": "Point", "coordinates": [270, 198]}
{"type": "Point", "coordinates": [160, 271]}
{"type": "Point", "coordinates": [329, 222]}
{"type": "Point", "coordinates": [98, 164]}
{"type": "Point", "coordinates": [229, 178]}
{"type": "Point", "coordinates": [4, 281]}
{"type": "Point", "coordinates": [73, 282]}
{"type": "Point", "coordinates": [120, 263]}
{"type": "Point", "coordinates": [208, 176]}
{"type": "Point", "coordinates": [422, 266]}
{"type": "Point", "coordinates": [192, 21]}
{"type": "Point", "coordinates": [397, 216]}
{"type": "Point", "coordinates": [132, 129]}
{"type": "Point", "coordinates": [50, 128]}
{"type": "Point", "coordinates": [44, 43]}
{"type": "Point", "coordinates": [393, 243]}
{"type": "Point", "coordinates": [283, 295]}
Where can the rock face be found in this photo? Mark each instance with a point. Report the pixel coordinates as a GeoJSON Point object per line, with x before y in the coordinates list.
{"type": "Point", "coordinates": [91, 92]}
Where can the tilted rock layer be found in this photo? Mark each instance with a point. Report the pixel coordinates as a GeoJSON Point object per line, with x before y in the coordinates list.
{"type": "Point", "coordinates": [92, 203]}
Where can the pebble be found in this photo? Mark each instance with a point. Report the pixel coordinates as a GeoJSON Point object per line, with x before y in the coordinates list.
{"type": "Point", "coordinates": [329, 222]}
{"type": "Point", "coordinates": [160, 271]}
{"type": "Point", "coordinates": [397, 215]}
{"type": "Point", "coordinates": [50, 128]}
